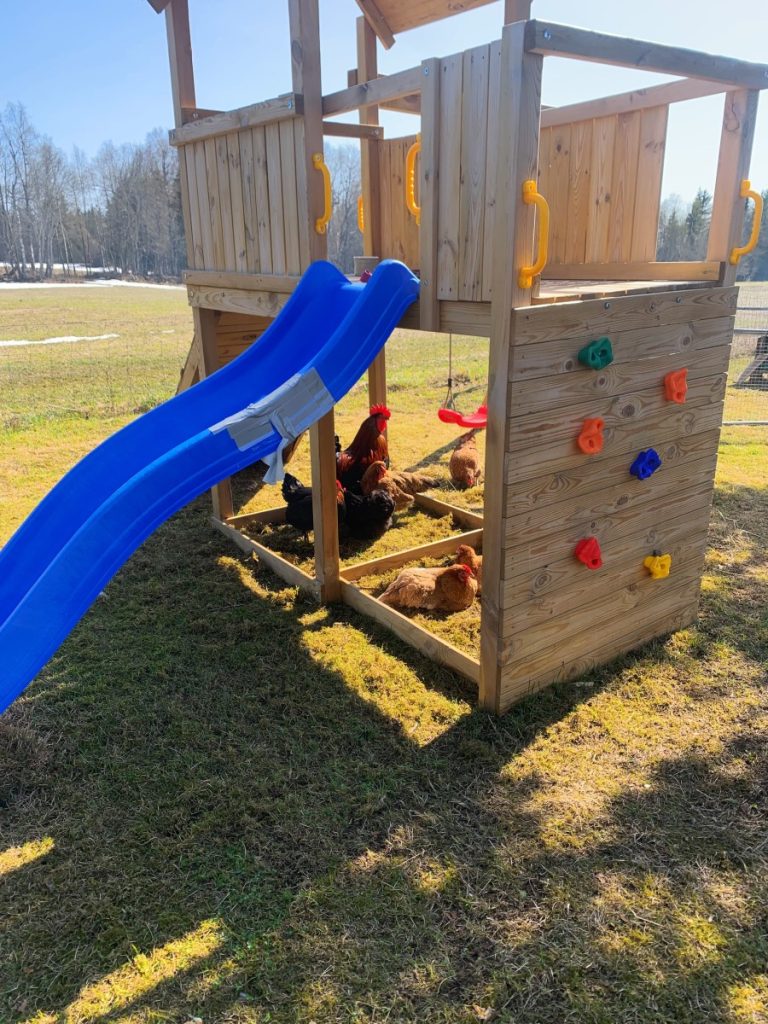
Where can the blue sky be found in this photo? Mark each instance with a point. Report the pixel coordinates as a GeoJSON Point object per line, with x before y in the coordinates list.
{"type": "Point", "coordinates": [92, 70]}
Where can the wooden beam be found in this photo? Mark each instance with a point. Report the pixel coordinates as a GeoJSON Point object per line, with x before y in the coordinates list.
{"type": "Point", "coordinates": [231, 279]}
{"type": "Point", "coordinates": [727, 221]}
{"type": "Point", "coordinates": [279, 566]}
{"type": "Point", "coordinates": [377, 21]}
{"type": "Point", "coordinates": [548, 39]}
{"type": "Point", "coordinates": [206, 321]}
{"type": "Point", "coordinates": [198, 113]}
{"type": "Point", "coordinates": [237, 300]}
{"type": "Point", "coordinates": [699, 270]}
{"type": "Point", "coordinates": [374, 92]}
{"type": "Point", "coordinates": [516, 10]}
{"type": "Point", "coordinates": [352, 131]}
{"type": "Point", "coordinates": [266, 515]}
{"type": "Point", "coordinates": [637, 99]}
{"type": "Point", "coordinates": [266, 112]}
{"type": "Point", "coordinates": [413, 634]}
{"type": "Point", "coordinates": [469, 520]}
{"type": "Point", "coordinates": [435, 549]}
{"type": "Point", "coordinates": [429, 161]}
{"type": "Point", "coordinates": [404, 105]}
{"type": "Point", "coordinates": [180, 57]}
{"type": "Point", "coordinates": [159, 5]}
{"type": "Point", "coordinates": [516, 161]}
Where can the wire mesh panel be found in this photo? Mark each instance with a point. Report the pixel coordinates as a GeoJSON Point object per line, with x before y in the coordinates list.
{"type": "Point", "coordinates": [746, 400]}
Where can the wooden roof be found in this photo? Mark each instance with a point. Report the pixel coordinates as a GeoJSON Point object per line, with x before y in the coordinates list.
{"type": "Point", "coordinates": [159, 5]}
{"type": "Point", "coordinates": [388, 17]}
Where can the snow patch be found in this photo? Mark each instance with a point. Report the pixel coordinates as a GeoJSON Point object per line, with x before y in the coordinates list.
{"type": "Point", "coordinates": [64, 340]}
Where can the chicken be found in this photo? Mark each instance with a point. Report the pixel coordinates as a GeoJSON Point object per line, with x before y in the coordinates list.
{"type": "Point", "coordinates": [368, 516]}
{"type": "Point", "coordinates": [378, 478]}
{"type": "Point", "coordinates": [466, 555]}
{"type": "Point", "coordinates": [369, 445]}
{"type": "Point", "coordinates": [298, 500]}
{"type": "Point", "coordinates": [465, 461]}
{"type": "Point", "coordinates": [412, 483]}
{"type": "Point", "coordinates": [449, 589]}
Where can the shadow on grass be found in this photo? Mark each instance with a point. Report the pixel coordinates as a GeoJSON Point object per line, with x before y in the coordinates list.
{"type": "Point", "coordinates": [267, 811]}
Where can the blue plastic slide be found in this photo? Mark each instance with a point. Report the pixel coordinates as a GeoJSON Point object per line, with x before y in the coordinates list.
{"type": "Point", "coordinates": [63, 555]}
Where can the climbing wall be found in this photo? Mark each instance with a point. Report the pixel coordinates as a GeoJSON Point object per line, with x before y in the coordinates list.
{"type": "Point", "coordinates": [595, 392]}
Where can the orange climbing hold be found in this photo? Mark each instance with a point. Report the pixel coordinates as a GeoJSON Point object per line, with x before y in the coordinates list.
{"type": "Point", "coordinates": [590, 440]}
{"type": "Point", "coordinates": [676, 385]}
{"type": "Point", "coordinates": [588, 551]}
{"type": "Point", "coordinates": [658, 565]}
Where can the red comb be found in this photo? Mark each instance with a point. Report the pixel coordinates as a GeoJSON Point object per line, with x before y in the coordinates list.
{"type": "Point", "coordinates": [380, 410]}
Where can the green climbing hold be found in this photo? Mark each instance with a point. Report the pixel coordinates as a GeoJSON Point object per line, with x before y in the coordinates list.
{"type": "Point", "coordinates": [597, 354]}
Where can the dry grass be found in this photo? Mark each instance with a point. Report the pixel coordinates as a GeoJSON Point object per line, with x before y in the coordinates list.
{"type": "Point", "coordinates": [221, 801]}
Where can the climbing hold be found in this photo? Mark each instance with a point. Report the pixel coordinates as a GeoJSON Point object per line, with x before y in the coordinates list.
{"type": "Point", "coordinates": [590, 440]}
{"type": "Point", "coordinates": [588, 552]}
{"type": "Point", "coordinates": [658, 565]}
{"type": "Point", "coordinates": [365, 277]}
{"type": "Point", "coordinates": [597, 354]}
{"type": "Point", "coordinates": [676, 385]}
{"type": "Point", "coordinates": [645, 464]}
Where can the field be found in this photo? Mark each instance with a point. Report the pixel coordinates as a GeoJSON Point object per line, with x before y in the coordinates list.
{"type": "Point", "coordinates": [222, 802]}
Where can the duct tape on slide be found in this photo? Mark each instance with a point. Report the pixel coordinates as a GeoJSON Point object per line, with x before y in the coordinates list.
{"type": "Point", "coordinates": [289, 410]}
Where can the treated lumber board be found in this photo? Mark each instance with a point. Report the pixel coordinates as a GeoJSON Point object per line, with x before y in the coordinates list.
{"type": "Point", "coordinates": [287, 571]}
{"type": "Point", "coordinates": [237, 300]}
{"type": "Point", "coordinates": [255, 114]}
{"type": "Point", "coordinates": [206, 322]}
{"type": "Point", "coordinates": [558, 191]}
{"type": "Point", "coordinates": [373, 93]}
{"type": "Point", "coordinates": [562, 291]}
{"type": "Point", "coordinates": [267, 515]}
{"type": "Point", "coordinates": [276, 209]}
{"type": "Point", "coordinates": [192, 370]}
{"type": "Point", "coordinates": [549, 358]}
{"type": "Point", "coordinates": [214, 204]}
{"type": "Point", "coordinates": [434, 549]}
{"type": "Point", "coordinates": [671, 422]}
{"type": "Point", "coordinates": [179, 55]}
{"type": "Point", "coordinates": [472, 318]}
{"type": "Point", "coordinates": [403, 15]}
{"type": "Point", "coordinates": [516, 10]}
{"type": "Point", "coordinates": [636, 270]}
{"type": "Point", "coordinates": [259, 139]}
{"type": "Point", "coordinates": [641, 408]}
{"type": "Point", "coordinates": [449, 178]}
{"type": "Point", "coordinates": [195, 232]}
{"type": "Point", "coordinates": [549, 39]}
{"type": "Point", "coordinates": [377, 21]}
{"type": "Point", "coordinates": [342, 130]}
{"type": "Point", "coordinates": [601, 188]}
{"type": "Point", "coordinates": [522, 681]}
{"type": "Point", "coordinates": [637, 99]}
{"type": "Point", "coordinates": [282, 283]}
{"type": "Point", "coordinates": [625, 160]}
{"type": "Point", "coordinates": [598, 472]}
{"type": "Point", "coordinates": [559, 573]}
{"type": "Point", "coordinates": [650, 168]}
{"type": "Point", "coordinates": [290, 198]}
{"type": "Point", "coordinates": [413, 634]}
{"type": "Point", "coordinates": [470, 520]}
{"type": "Point", "coordinates": [595, 317]}
{"type": "Point", "coordinates": [429, 158]}
{"type": "Point", "coordinates": [206, 230]}
{"type": "Point", "coordinates": [307, 245]}
{"type": "Point", "coordinates": [578, 193]}
{"type": "Point", "coordinates": [630, 599]}
{"type": "Point", "coordinates": [492, 146]}
{"type": "Point", "coordinates": [238, 200]}
{"type": "Point", "coordinates": [597, 385]}
{"type": "Point", "coordinates": [226, 213]}
{"type": "Point", "coordinates": [367, 69]}
{"type": "Point", "coordinates": [523, 527]}
{"type": "Point", "coordinates": [474, 156]}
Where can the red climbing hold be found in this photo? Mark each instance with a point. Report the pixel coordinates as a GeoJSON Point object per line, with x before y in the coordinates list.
{"type": "Point", "coordinates": [588, 551]}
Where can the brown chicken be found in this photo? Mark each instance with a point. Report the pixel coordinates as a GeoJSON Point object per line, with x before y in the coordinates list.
{"type": "Point", "coordinates": [465, 465]}
{"type": "Point", "coordinates": [466, 555]}
{"type": "Point", "coordinates": [369, 445]}
{"type": "Point", "coordinates": [445, 590]}
{"type": "Point", "coordinates": [378, 478]}
{"type": "Point", "coordinates": [412, 483]}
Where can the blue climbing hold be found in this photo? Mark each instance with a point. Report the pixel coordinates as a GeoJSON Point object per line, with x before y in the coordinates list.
{"type": "Point", "coordinates": [645, 464]}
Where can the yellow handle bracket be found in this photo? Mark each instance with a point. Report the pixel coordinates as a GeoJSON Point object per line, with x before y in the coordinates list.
{"type": "Point", "coordinates": [746, 192]}
{"type": "Point", "coordinates": [360, 215]}
{"type": "Point", "coordinates": [532, 195]}
{"type": "Point", "coordinates": [410, 180]}
{"type": "Point", "coordinates": [321, 224]}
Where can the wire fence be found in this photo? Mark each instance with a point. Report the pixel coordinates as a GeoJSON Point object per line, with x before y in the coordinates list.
{"type": "Point", "coordinates": [746, 399]}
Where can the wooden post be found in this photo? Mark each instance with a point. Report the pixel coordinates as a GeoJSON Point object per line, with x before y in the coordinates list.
{"type": "Point", "coordinates": [367, 71]}
{"type": "Point", "coordinates": [727, 221]}
{"type": "Point", "coordinates": [429, 306]}
{"type": "Point", "coordinates": [516, 10]}
{"type": "Point", "coordinates": [180, 58]}
{"type": "Point", "coordinates": [305, 68]}
{"type": "Point", "coordinates": [517, 158]}
{"type": "Point", "coordinates": [205, 329]}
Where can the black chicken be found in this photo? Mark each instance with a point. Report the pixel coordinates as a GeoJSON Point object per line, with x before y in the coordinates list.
{"type": "Point", "coordinates": [368, 516]}
{"type": "Point", "coordinates": [298, 500]}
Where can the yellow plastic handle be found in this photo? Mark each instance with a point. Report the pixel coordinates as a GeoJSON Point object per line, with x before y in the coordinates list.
{"type": "Point", "coordinates": [319, 164]}
{"type": "Point", "coordinates": [746, 192]}
{"type": "Point", "coordinates": [360, 215]}
{"type": "Point", "coordinates": [532, 195]}
{"type": "Point", "coordinates": [410, 180]}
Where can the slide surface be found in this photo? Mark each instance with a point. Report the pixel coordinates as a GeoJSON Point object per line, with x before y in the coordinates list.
{"type": "Point", "coordinates": [63, 555]}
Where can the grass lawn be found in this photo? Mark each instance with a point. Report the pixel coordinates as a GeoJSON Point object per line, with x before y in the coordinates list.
{"type": "Point", "coordinates": [220, 801]}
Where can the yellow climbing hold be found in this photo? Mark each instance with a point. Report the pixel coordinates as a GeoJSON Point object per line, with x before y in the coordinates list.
{"type": "Point", "coordinates": [658, 565]}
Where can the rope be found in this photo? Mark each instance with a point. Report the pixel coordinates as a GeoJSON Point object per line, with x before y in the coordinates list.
{"type": "Point", "coordinates": [449, 402]}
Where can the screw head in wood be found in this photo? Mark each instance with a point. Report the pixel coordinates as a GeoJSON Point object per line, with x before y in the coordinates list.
{"type": "Point", "coordinates": [547, 34]}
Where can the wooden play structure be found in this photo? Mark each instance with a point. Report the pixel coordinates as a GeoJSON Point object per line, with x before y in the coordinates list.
{"type": "Point", "coordinates": [589, 334]}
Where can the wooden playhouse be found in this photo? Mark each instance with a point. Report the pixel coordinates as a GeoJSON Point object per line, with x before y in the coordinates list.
{"type": "Point", "coordinates": [569, 414]}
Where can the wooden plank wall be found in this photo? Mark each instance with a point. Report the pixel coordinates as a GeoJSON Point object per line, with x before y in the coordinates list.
{"type": "Point", "coordinates": [235, 332]}
{"type": "Point", "coordinates": [559, 618]}
{"type": "Point", "coordinates": [399, 231]}
{"type": "Point", "coordinates": [244, 198]}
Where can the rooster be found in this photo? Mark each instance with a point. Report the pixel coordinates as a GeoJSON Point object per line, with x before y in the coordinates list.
{"type": "Point", "coordinates": [466, 555]}
{"type": "Point", "coordinates": [378, 478]}
{"type": "Point", "coordinates": [465, 461]}
{"type": "Point", "coordinates": [368, 516]}
{"type": "Point", "coordinates": [369, 445]}
{"type": "Point", "coordinates": [298, 501]}
{"type": "Point", "coordinates": [446, 590]}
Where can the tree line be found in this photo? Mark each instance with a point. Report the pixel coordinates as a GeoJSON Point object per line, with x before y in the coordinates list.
{"type": "Point", "coordinates": [120, 211]}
